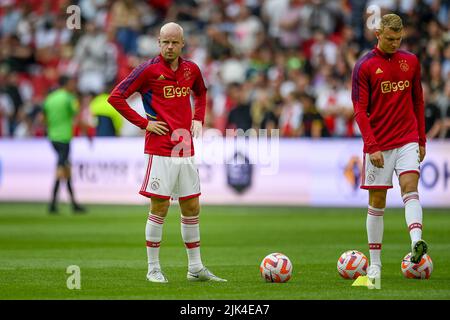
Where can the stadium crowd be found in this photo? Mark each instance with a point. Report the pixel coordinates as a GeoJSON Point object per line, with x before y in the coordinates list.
{"type": "Point", "coordinates": [268, 64]}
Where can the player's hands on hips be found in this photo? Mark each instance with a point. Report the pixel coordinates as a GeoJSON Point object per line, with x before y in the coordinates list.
{"type": "Point", "coordinates": [158, 127]}
{"type": "Point", "coordinates": [422, 153]}
{"type": "Point", "coordinates": [196, 128]}
{"type": "Point", "coordinates": [377, 159]}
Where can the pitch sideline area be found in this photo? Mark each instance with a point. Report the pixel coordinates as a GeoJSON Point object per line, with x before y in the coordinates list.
{"type": "Point", "coordinates": [103, 253]}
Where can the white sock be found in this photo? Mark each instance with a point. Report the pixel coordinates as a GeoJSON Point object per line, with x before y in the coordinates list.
{"type": "Point", "coordinates": [190, 232]}
{"type": "Point", "coordinates": [375, 227]}
{"type": "Point", "coordinates": [413, 215]}
{"type": "Point", "coordinates": [153, 236]}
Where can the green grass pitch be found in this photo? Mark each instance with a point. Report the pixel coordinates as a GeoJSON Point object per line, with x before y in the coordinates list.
{"type": "Point", "coordinates": [108, 245]}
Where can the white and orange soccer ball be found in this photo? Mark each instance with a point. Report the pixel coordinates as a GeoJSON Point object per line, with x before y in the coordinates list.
{"type": "Point", "coordinates": [276, 267]}
{"type": "Point", "coordinates": [352, 264]}
{"type": "Point", "coordinates": [421, 270]}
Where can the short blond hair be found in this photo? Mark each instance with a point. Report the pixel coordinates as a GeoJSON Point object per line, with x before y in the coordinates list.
{"type": "Point", "coordinates": [391, 21]}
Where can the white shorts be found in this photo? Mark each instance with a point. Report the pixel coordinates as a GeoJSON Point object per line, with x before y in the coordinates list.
{"type": "Point", "coordinates": [170, 177]}
{"type": "Point", "coordinates": [405, 159]}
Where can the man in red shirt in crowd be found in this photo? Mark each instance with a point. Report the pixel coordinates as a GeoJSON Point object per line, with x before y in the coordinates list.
{"type": "Point", "coordinates": [389, 109]}
{"type": "Point", "coordinates": [166, 83]}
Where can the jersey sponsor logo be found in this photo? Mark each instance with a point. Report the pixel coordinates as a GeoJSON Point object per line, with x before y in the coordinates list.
{"type": "Point", "coordinates": [392, 86]}
{"type": "Point", "coordinates": [161, 77]}
{"type": "Point", "coordinates": [378, 71]}
{"type": "Point", "coordinates": [172, 92]}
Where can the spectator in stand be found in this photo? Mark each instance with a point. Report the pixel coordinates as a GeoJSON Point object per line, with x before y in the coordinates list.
{"type": "Point", "coordinates": [271, 119]}
{"type": "Point", "coordinates": [433, 119]}
{"type": "Point", "coordinates": [345, 110]}
{"type": "Point", "coordinates": [108, 122]}
{"type": "Point", "coordinates": [247, 33]}
{"type": "Point", "coordinates": [126, 20]}
{"type": "Point", "coordinates": [96, 60]}
{"type": "Point", "coordinates": [11, 19]}
{"type": "Point", "coordinates": [17, 56]}
{"type": "Point", "coordinates": [323, 51]}
{"type": "Point", "coordinates": [313, 124]}
{"type": "Point", "coordinates": [6, 111]}
{"type": "Point", "coordinates": [262, 104]}
{"type": "Point", "coordinates": [272, 14]}
{"type": "Point", "coordinates": [240, 116]}
{"type": "Point", "coordinates": [444, 101]}
{"type": "Point", "coordinates": [291, 115]}
{"type": "Point", "coordinates": [11, 90]}
{"type": "Point", "coordinates": [294, 29]}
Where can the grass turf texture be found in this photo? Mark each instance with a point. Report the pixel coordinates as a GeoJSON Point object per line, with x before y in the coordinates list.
{"type": "Point", "coordinates": [108, 245]}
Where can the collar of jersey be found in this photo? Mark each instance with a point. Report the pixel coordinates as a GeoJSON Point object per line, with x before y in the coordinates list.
{"type": "Point", "coordinates": [383, 54]}
{"type": "Point", "coordinates": [180, 60]}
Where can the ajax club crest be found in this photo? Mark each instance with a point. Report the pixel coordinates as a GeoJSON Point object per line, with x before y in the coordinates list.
{"type": "Point", "coordinates": [187, 73]}
{"type": "Point", "coordinates": [403, 65]}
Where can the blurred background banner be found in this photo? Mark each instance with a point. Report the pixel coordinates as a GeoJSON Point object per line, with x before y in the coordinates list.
{"type": "Point", "coordinates": [324, 172]}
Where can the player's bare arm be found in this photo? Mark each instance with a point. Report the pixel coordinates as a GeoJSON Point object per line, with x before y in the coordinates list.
{"type": "Point", "coordinates": [422, 153]}
{"type": "Point", "coordinates": [158, 127]}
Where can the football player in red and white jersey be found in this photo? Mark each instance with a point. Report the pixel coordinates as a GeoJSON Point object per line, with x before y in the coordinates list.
{"type": "Point", "coordinates": [166, 83]}
{"type": "Point", "coordinates": [389, 109]}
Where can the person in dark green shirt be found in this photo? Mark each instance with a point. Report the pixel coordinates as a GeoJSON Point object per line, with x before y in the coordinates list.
{"type": "Point", "coordinates": [60, 109]}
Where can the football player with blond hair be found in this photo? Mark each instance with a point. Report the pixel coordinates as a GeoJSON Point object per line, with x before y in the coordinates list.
{"type": "Point", "coordinates": [389, 109]}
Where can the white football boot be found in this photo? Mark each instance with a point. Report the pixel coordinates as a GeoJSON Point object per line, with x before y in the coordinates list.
{"type": "Point", "coordinates": [156, 275]}
{"type": "Point", "coordinates": [374, 272]}
{"type": "Point", "coordinates": [418, 249]}
{"type": "Point", "coordinates": [203, 275]}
